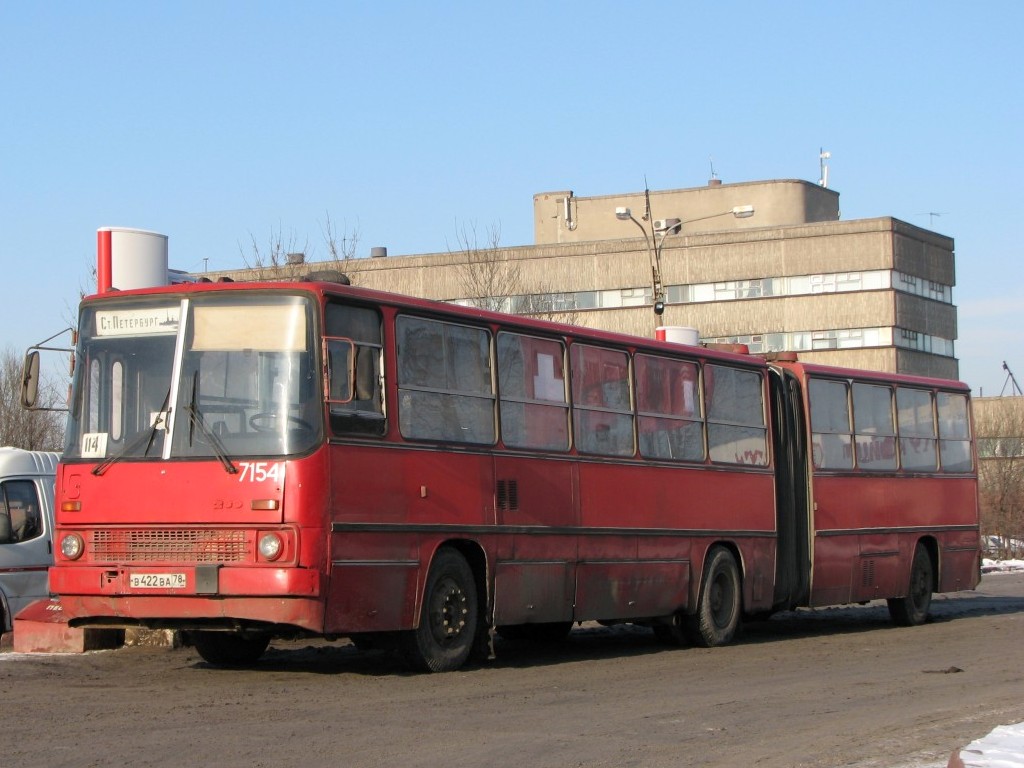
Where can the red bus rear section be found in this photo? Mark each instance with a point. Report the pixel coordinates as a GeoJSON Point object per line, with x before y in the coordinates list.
{"type": "Point", "coordinates": [249, 461]}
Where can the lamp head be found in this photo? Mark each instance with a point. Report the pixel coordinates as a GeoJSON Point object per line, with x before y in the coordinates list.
{"type": "Point", "coordinates": [623, 214]}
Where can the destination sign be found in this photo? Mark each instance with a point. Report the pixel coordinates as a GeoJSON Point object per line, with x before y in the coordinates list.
{"type": "Point", "coordinates": [149, 321]}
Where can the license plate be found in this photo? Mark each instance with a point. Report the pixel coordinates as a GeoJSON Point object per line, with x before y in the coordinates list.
{"type": "Point", "coordinates": [157, 581]}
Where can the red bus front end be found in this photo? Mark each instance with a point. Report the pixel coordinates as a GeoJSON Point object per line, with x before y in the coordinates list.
{"type": "Point", "coordinates": [193, 489]}
{"type": "Point", "coordinates": [191, 544]}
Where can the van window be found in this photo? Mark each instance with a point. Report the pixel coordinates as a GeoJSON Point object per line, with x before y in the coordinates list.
{"type": "Point", "coordinates": [21, 518]}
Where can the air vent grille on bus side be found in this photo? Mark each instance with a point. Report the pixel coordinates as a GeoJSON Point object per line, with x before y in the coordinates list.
{"type": "Point", "coordinates": [867, 573]}
{"type": "Point", "coordinates": [508, 495]}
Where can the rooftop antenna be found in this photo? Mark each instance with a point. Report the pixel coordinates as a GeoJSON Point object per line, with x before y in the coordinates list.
{"type": "Point", "coordinates": [823, 158]}
{"type": "Point", "coordinates": [714, 175]}
{"type": "Point", "coordinates": [1011, 380]}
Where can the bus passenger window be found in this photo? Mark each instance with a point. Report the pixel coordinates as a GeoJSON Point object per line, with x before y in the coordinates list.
{"type": "Point", "coordinates": [873, 424]}
{"type": "Point", "coordinates": [355, 394]}
{"type": "Point", "coordinates": [445, 388]}
{"type": "Point", "coordinates": [670, 423]}
{"type": "Point", "coordinates": [954, 433]}
{"type": "Point", "coordinates": [737, 433]}
{"type": "Point", "coordinates": [831, 441]}
{"type": "Point", "coordinates": [602, 412]}
{"type": "Point", "coordinates": [917, 429]}
{"type": "Point", "coordinates": [531, 379]}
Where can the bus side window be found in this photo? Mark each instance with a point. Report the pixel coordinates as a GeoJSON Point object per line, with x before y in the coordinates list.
{"type": "Point", "coordinates": [355, 391]}
{"type": "Point", "coordinates": [954, 433]}
{"type": "Point", "coordinates": [737, 432]}
{"type": "Point", "coordinates": [445, 382]}
{"type": "Point", "coordinates": [916, 420]}
{"type": "Point", "coordinates": [602, 411]}
{"type": "Point", "coordinates": [668, 403]}
{"type": "Point", "coordinates": [533, 407]}
{"type": "Point", "coordinates": [831, 436]}
{"type": "Point", "coordinates": [875, 432]}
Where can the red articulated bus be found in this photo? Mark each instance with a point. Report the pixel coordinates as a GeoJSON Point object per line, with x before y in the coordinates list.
{"type": "Point", "coordinates": [247, 461]}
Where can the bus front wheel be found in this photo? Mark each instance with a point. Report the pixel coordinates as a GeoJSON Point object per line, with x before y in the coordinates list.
{"type": "Point", "coordinates": [912, 610]}
{"type": "Point", "coordinates": [229, 649]}
{"type": "Point", "coordinates": [449, 617]}
{"type": "Point", "coordinates": [719, 604]}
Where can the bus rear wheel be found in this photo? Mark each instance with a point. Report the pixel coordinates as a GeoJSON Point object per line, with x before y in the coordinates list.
{"type": "Point", "coordinates": [718, 607]}
{"type": "Point", "coordinates": [444, 639]}
{"type": "Point", "coordinates": [229, 649]}
{"type": "Point", "coordinates": [912, 610]}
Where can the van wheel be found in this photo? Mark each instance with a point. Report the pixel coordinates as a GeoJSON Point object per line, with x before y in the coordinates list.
{"type": "Point", "coordinates": [449, 617]}
{"type": "Point", "coordinates": [718, 607]}
{"type": "Point", "coordinates": [229, 649]}
{"type": "Point", "coordinates": [912, 610]}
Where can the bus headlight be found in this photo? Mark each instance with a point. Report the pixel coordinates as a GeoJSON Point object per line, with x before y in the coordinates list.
{"type": "Point", "coordinates": [271, 546]}
{"type": "Point", "coordinates": [72, 546]}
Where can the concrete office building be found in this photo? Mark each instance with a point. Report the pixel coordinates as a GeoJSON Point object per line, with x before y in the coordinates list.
{"type": "Point", "coordinates": [769, 264]}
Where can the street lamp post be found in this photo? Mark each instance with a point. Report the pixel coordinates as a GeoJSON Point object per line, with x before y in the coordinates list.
{"type": "Point", "coordinates": [669, 227]}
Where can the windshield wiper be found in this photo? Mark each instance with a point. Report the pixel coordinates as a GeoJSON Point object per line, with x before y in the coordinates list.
{"type": "Point", "coordinates": [142, 437]}
{"type": "Point", "coordinates": [195, 419]}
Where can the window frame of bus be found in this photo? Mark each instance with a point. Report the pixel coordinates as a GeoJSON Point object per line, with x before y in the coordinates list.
{"type": "Point", "coordinates": [717, 424]}
{"type": "Point", "coordinates": [356, 421]}
{"type": "Point", "coordinates": [587, 417]}
{"type": "Point", "coordinates": [530, 396]}
{"type": "Point", "coordinates": [905, 432]}
{"type": "Point", "coordinates": [658, 419]}
{"type": "Point", "coordinates": [834, 433]}
{"type": "Point", "coordinates": [863, 436]}
{"type": "Point", "coordinates": [910, 429]}
{"type": "Point", "coordinates": [412, 394]}
{"type": "Point", "coordinates": [965, 463]}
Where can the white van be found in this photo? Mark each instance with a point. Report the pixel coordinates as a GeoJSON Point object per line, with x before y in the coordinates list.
{"type": "Point", "coordinates": [26, 528]}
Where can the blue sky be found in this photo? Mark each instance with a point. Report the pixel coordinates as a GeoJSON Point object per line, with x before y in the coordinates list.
{"type": "Point", "coordinates": [219, 122]}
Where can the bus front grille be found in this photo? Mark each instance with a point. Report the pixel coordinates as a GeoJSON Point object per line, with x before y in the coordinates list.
{"type": "Point", "coordinates": [171, 545]}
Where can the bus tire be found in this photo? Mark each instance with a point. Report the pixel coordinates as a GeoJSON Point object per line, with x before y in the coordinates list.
{"type": "Point", "coordinates": [912, 610]}
{"type": "Point", "coordinates": [229, 649]}
{"type": "Point", "coordinates": [720, 601]}
{"type": "Point", "coordinates": [449, 617]}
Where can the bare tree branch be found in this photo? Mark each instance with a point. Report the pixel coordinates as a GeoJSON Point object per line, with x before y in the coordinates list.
{"type": "Point", "coordinates": [34, 430]}
{"type": "Point", "coordinates": [491, 279]}
{"type": "Point", "coordinates": [1001, 479]}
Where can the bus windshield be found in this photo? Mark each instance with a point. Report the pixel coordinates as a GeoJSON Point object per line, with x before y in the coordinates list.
{"type": "Point", "coordinates": [212, 376]}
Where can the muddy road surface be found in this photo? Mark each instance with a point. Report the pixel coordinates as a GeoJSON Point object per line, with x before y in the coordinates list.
{"type": "Point", "coordinates": [835, 687]}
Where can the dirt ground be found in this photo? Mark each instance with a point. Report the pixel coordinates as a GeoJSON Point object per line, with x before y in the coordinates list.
{"type": "Point", "coordinates": [836, 687]}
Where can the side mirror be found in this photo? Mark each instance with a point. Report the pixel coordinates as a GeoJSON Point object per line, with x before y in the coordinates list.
{"type": "Point", "coordinates": [30, 380]}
